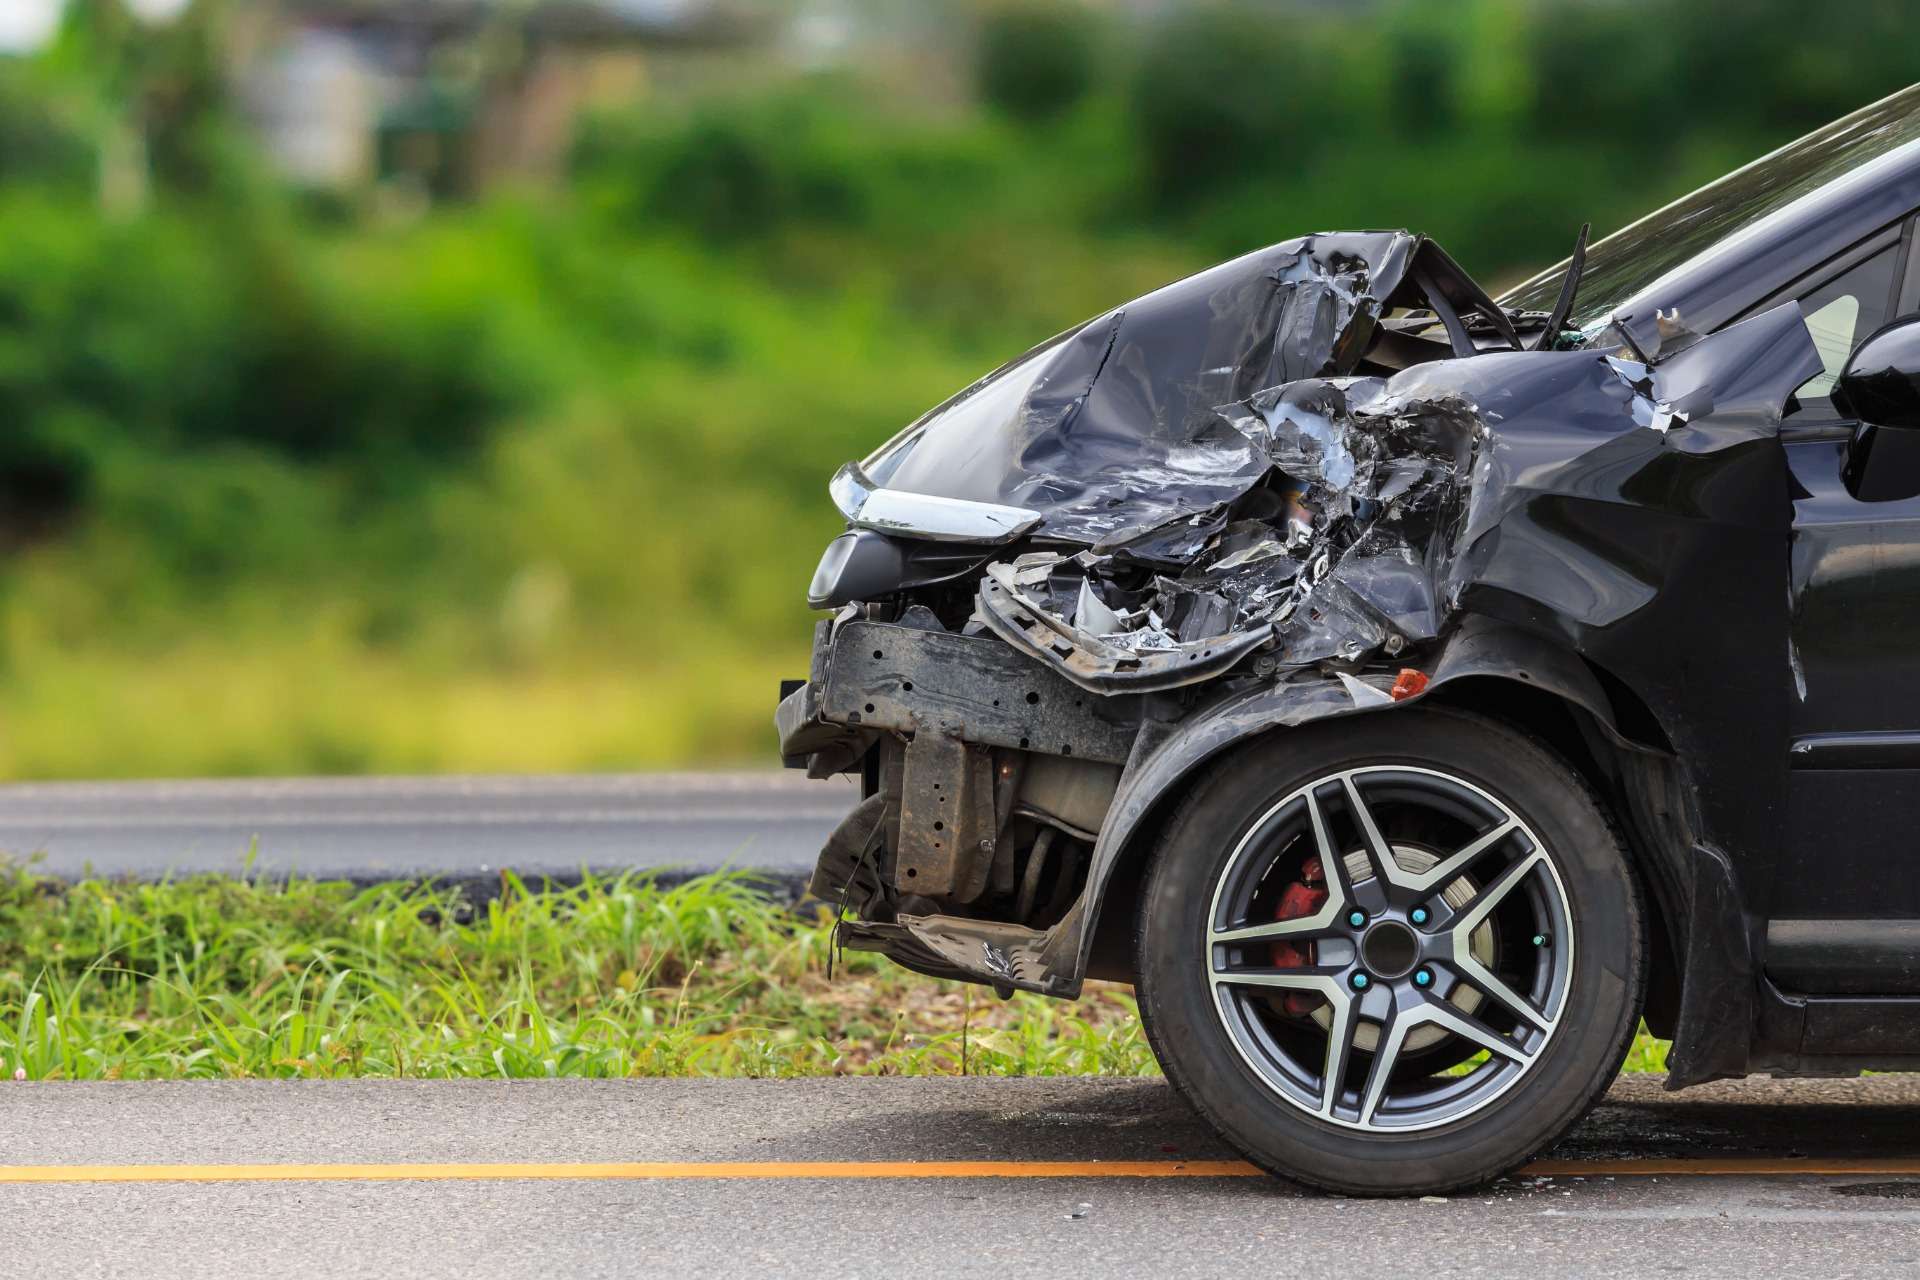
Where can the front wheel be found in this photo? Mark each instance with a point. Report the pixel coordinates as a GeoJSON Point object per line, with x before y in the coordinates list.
{"type": "Point", "coordinates": [1395, 954]}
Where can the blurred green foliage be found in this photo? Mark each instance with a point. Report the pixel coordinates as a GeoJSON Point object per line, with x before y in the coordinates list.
{"type": "Point", "coordinates": [1036, 58]}
{"type": "Point", "coordinates": [535, 478]}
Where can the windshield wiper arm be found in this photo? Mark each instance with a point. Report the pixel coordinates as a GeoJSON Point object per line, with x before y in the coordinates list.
{"type": "Point", "coordinates": [1563, 305]}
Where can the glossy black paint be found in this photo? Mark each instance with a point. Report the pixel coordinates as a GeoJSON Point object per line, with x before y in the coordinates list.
{"type": "Point", "coordinates": [1661, 561]}
{"type": "Point", "coordinates": [1664, 567]}
{"type": "Point", "coordinates": [1870, 750]}
{"type": "Point", "coordinates": [1854, 791]}
{"type": "Point", "coordinates": [1845, 957]}
{"type": "Point", "coordinates": [1881, 383]}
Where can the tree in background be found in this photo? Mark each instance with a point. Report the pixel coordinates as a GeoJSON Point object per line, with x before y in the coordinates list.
{"type": "Point", "coordinates": [253, 431]}
{"type": "Point", "coordinates": [152, 97]}
{"type": "Point", "coordinates": [1035, 61]}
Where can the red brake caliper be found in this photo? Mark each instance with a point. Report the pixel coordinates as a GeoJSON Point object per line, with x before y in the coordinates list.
{"type": "Point", "coordinates": [1300, 899]}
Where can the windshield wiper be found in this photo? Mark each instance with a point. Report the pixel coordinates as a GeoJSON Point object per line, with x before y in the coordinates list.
{"type": "Point", "coordinates": [1563, 306]}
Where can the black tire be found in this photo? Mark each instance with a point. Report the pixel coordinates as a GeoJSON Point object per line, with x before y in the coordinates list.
{"type": "Point", "coordinates": [1600, 1004]}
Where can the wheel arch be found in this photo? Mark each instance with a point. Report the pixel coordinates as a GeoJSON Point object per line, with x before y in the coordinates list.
{"type": "Point", "coordinates": [1592, 721]}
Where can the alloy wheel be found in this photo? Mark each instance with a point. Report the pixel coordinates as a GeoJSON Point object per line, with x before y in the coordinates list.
{"type": "Point", "coordinates": [1431, 974]}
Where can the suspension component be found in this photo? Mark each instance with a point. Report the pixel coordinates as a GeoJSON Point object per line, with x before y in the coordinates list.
{"type": "Point", "coordinates": [1036, 867]}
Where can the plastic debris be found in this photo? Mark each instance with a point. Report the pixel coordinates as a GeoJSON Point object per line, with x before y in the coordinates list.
{"type": "Point", "coordinates": [1362, 693]}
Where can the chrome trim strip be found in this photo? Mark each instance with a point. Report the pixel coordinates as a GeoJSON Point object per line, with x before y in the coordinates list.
{"type": "Point", "coordinates": [1876, 749]}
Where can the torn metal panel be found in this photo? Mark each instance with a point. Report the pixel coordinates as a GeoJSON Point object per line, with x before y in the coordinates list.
{"type": "Point", "coordinates": [1364, 695]}
{"type": "Point", "coordinates": [1054, 960]}
{"type": "Point", "coordinates": [1629, 547]}
{"type": "Point", "coordinates": [1110, 430]}
{"type": "Point", "coordinates": [1144, 661]}
{"type": "Point", "coordinates": [1362, 500]}
{"type": "Point", "coordinates": [1003, 953]}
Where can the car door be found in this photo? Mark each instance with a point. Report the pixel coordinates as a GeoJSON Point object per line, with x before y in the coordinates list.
{"type": "Point", "coordinates": [1846, 899]}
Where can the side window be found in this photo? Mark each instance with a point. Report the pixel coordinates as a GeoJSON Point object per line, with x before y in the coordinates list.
{"type": "Point", "coordinates": [1840, 312]}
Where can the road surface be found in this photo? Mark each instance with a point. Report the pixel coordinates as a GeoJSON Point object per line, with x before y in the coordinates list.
{"type": "Point", "coordinates": [618, 1178]}
{"type": "Point", "coordinates": [459, 828]}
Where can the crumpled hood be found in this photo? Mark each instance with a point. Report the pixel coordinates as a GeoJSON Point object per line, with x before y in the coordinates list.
{"type": "Point", "coordinates": [1112, 427]}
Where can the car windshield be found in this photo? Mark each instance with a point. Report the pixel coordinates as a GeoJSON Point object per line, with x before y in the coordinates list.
{"type": "Point", "coordinates": [1634, 257]}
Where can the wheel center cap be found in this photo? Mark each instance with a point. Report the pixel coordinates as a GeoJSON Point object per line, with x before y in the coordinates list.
{"type": "Point", "coordinates": [1390, 949]}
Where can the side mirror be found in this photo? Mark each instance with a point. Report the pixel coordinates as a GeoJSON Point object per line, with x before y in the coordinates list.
{"type": "Point", "coordinates": [1881, 382]}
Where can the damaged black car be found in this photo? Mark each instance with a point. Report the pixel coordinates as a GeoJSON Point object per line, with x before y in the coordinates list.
{"type": "Point", "coordinates": [1410, 690]}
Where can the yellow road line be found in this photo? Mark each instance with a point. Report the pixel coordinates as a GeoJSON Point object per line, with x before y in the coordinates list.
{"type": "Point", "coordinates": [842, 1169]}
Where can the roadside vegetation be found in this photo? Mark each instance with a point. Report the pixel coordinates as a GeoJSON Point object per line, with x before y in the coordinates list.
{"type": "Point", "coordinates": [218, 978]}
{"type": "Point", "coordinates": [533, 477]}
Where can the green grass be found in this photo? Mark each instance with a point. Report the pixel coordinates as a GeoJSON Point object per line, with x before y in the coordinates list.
{"type": "Point", "coordinates": [214, 977]}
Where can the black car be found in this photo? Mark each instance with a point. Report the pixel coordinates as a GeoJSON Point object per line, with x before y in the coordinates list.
{"type": "Point", "coordinates": [1409, 690]}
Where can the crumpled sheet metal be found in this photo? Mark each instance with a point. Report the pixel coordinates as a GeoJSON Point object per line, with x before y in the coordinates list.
{"type": "Point", "coordinates": [1584, 516]}
{"type": "Point", "coordinates": [1622, 508]}
{"type": "Point", "coordinates": [1331, 558]}
{"type": "Point", "coordinates": [1143, 659]}
{"type": "Point", "coordinates": [1385, 501]}
{"type": "Point", "coordinates": [1218, 490]}
{"type": "Point", "coordinates": [1591, 546]}
{"type": "Point", "coordinates": [1111, 429]}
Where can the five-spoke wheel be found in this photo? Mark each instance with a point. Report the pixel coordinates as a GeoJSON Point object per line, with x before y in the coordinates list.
{"type": "Point", "coordinates": [1459, 928]}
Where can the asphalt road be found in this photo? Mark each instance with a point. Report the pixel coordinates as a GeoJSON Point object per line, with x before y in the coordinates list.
{"type": "Point", "coordinates": [455, 827]}
{"type": "Point", "coordinates": [543, 1219]}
